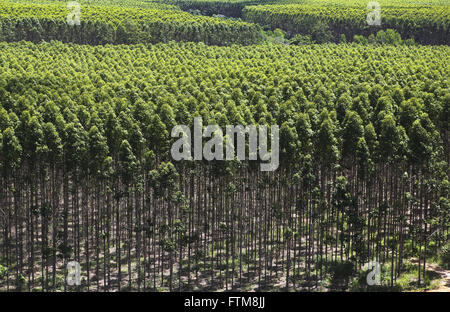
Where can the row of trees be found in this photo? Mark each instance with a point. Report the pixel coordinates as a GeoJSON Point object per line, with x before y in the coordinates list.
{"type": "Point", "coordinates": [86, 172]}
{"type": "Point", "coordinates": [228, 8]}
{"type": "Point", "coordinates": [144, 4]}
{"type": "Point", "coordinates": [427, 25]}
{"type": "Point", "coordinates": [115, 25]}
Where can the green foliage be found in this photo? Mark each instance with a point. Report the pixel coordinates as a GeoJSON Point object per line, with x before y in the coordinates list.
{"type": "Point", "coordinates": [301, 39]}
{"type": "Point", "coordinates": [384, 123]}
{"type": "Point", "coordinates": [431, 26]}
{"type": "Point", "coordinates": [360, 39]}
{"type": "Point", "coordinates": [116, 25]}
{"type": "Point", "coordinates": [444, 256]}
{"type": "Point", "coordinates": [232, 8]}
{"type": "Point", "coordinates": [85, 134]}
{"type": "Point", "coordinates": [320, 32]}
{"type": "Point", "coordinates": [3, 271]}
{"type": "Point", "coordinates": [165, 177]}
{"type": "Point", "coordinates": [389, 36]}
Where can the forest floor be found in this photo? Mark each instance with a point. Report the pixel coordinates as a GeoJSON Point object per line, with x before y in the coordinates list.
{"type": "Point", "coordinates": [204, 273]}
{"type": "Point", "coordinates": [445, 278]}
{"type": "Point", "coordinates": [440, 278]}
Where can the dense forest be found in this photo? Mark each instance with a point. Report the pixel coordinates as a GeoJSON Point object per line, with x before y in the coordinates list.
{"type": "Point", "coordinates": [86, 115]}
{"type": "Point", "coordinates": [118, 25]}
{"type": "Point", "coordinates": [431, 26]}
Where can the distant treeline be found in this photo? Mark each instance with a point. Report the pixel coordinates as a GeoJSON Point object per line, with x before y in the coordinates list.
{"type": "Point", "coordinates": [426, 25]}
{"type": "Point", "coordinates": [103, 25]}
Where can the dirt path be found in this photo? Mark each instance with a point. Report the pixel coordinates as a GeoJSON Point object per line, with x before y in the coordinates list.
{"type": "Point", "coordinates": [445, 275]}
